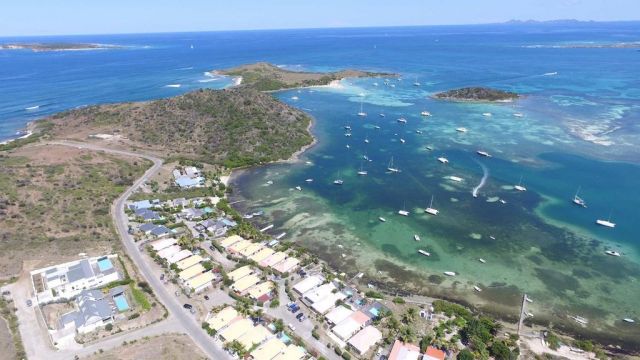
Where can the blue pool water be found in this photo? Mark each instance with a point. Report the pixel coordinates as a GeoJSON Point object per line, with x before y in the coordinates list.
{"type": "Point", "coordinates": [121, 303]}
{"type": "Point", "coordinates": [104, 264]}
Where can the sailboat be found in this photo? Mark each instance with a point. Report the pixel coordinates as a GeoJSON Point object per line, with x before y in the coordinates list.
{"type": "Point", "coordinates": [338, 181]}
{"type": "Point", "coordinates": [362, 113]}
{"type": "Point", "coordinates": [366, 139]}
{"type": "Point", "coordinates": [403, 212]}
{"type": "Point", "coordinates": [362, 172]}
{"type": "Point", "coordinates": [416, 83]}
{"type": "Point", "coordinates": [431, 210]}
{"type": "Point", "coordinates": [578, 200]}
{"type": "Point", "coordinates": [606, 223]}
{"type": "Point", "coordinates": [391, 168]}
{"type": "Point", "coordinates": [519, 187]}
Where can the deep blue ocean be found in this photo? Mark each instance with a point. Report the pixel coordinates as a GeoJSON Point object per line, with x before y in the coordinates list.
{"type": "Point", "coordinates": [577, 128]}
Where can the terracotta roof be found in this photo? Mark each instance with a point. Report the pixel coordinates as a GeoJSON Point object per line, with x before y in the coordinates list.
{"type": "Point", "coordinates": [434, 354]}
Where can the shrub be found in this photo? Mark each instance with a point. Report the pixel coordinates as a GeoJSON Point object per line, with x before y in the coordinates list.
{"type": "Point", "coordinates": [109, 327]}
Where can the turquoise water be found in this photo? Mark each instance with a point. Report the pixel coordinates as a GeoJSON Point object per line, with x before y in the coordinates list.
{"type": "Point", "coordinates": [579, 129]}
{"type": "Point", "coordinates": [104, 264]}
{"type": "Point", "coordinates": [121, 303]}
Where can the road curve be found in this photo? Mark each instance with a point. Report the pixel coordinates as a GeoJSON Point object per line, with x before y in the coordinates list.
{"type": "Point", "coordinates": [187, 321]}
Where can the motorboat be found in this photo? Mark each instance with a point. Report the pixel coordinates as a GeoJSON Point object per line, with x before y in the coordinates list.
{"type": "Point", "coordinates": [487, 114]}
{"type": "Point", "coordinates": [402, 140]}
{"type": "Point", "coordinates": [416, 237]}
{"type": "Point", "coordinates": [425, 253]}
{"type": "Point", "coordinates": [482, 260]}
{"type": "Point", "coordinates": [382, 219]}
{"type": "Point", "coordinates": [450, 273]}
{"type": "Point", "coordinates": [443, 160]}
{"type": "Point", "coordinates": [483, 153]}
{"type": "Point", "coordinates": [402, 120]}
{"type": "Point", "coordinates": [605, 223]}
{"type": "Point", "coordinates": [425, 113]}
{"type": "Point", "coordinates": [476, 288]}
{"type": "Point", "coordinates": [612, 253]}
{"type": "Point", "coordinates": [462, 129]}
{"type": "Point", "coordinates": [455, 178]}
{"type": "Point", "coordinates": [338, 182]}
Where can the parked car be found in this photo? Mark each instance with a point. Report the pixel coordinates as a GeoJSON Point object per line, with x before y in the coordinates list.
{"type": "Point", "coordinates": [187, 306]}
{"type": "Point", "coordinates": [29, 303]}
{"type": "Point", "coordinates": [294, 308]}
{"type": "Point", "coordinates": [161, 276]}
{"type": "Point", "coordinates": [293, 328]}
{"type": "Point", "coordinates": [301, 317]}
{"type": "Point", "coordinates": [206, 297]}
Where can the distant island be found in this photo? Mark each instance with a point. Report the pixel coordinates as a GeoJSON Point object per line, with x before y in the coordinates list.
{"type": "Point", "coordinates": [263, 76]}
{"type": "Point", "coordinates": [234, 128]}
{"type": "Point", "coordinates": [477, 94]}
{"type": "Point", "coordinates": [56, 46]}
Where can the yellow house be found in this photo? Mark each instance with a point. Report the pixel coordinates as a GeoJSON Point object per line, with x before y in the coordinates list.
{"type": "Point", "coordinates": [240, 272]}
{"type": "Point", "coordinates": [235, 330]}
{"type": "Point", "coordinates": [187, 274]}
{"type": "Point", "coordinates": [261, 255]}
{"type": "Point", "coordinates": [188, 262]}
{"type": "Point", "coordinates": [201, 281]}
{"type": "Point", "coordinates": [268, 350]}
{"type": "Point", "coordinates": [245, 283]}
{"type": "Point", "coordinates": [251, 249]}
{"type": "Point", "coordinates": [222, 318]}
{"type": "Point", "coordinates": [230, 241]}
{"type": "Point", "coordinates": [255, 335]}
{"type": "Point", "coordinates": [261, 289]}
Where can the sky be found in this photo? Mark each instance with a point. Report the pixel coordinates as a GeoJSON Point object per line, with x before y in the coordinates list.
{"type": "Point", "coordinates": [71, 17]}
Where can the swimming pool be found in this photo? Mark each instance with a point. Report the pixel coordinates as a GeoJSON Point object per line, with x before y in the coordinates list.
{"type": "Point", "coordinates": [104, 264]}
{"type": "Point", "coordinates": [121, 302]}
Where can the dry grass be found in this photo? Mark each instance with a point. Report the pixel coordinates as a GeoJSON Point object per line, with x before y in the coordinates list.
{"type": "Point", "coordinates": [164, 347]}
{"type": "Point", "coordinates": [55, 203]}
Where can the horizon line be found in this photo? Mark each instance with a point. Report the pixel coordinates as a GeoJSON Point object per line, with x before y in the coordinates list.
{"type": "Point", "coordinates": [507, 22]}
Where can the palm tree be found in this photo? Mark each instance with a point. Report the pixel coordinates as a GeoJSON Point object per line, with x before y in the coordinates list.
{"type": "Point", "coordinates": [393, 324]}
{"type": "Point", "coordinates": [410, 315]}
{"type": "Point", "coordinates": [407, 334]}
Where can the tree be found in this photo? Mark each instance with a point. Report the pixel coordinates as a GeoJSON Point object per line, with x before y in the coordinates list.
{"type": "Point", "coordinates": [425, 342]}
{"type": "Point", "coordinates": [465, 355]}
{"type": "Point", "coordinates": [410, 315]}
{"type": "Point", "coordinates": [407, 334]}
{"type": "Point", "coordinates": [279, 325]}
{"type": "Point", "coordinates": [500, 351]}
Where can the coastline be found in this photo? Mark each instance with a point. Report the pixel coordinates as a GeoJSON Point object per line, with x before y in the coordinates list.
{"type": "Point", "coordinates": [26, 132]}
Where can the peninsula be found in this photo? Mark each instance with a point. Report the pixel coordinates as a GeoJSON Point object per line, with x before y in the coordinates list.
{"type": "Point", "coordinates": [268, 77]}
{"type": "Point", "coordinates": [56, 46]}
{"type": "Point", "coordinates": [479, 94]}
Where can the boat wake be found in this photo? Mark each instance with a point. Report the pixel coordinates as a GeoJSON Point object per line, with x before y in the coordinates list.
{"type": "Point", "coordinates": [485, 176]}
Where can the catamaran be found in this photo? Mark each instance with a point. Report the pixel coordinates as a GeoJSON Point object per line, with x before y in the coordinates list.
{"type": "Point", "coordinates": [361, 113]}
{"type": "Point", "coordinates": [431, 210]}
{"type": "Point", "coordinates": [578, 200]}
{"type": "Point", "coordinates": [391, 168]}
{"type": "Point", "coordinates": [519, 187]}
{"type": "Point", "coordinates": [403, 212]}
{"type": "Point", "coordinates": [425, 253]}
{"type": "Point", "coordinates": [362, 172]}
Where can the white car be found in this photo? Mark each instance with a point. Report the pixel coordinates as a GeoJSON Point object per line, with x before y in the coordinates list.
{"type": "Point", "coordinates": [293, 328]}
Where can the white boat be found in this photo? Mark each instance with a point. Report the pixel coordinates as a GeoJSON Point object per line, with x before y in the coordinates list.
{"type": "Point", "coordinates": [431, 210]}
{"type": "Point", "coordinates": [425, 253]}
{"type": "Point", "coordinates": [269, 182]}
{"type": "Point", "coordinates": [462, 129]}
{"type": "Point", "coordinates": [418, 131]}
{"type": "Point", "coordinates": [347, 127]}
{"type": "Point", "coordinates": [450, 273]}
{"type": "Point", "coordinates": [295, 98]}
{"type": "Point", "coordinates": [361, 113]}
{"type": "Point", "coordinates": [483, 153]}
{"type": "Point", "coordinates": [375, 84]}
{"type": "Point", "coordinates": [612, 253]}
{"type": "Point", "coordinates": [382, 115]}
{"type": "Point", "coordinates": [402, 120]}
{"type": "Point", "coordinates": [366, 140]}
{"type": "Point", "coordinates": [281, 236]}
{"type": "Point", "coordinates": [416, 83]}
{"type": "Point", "coordinates": [628, 320]}
{"type": "Point", "coordinates": [519, 187]}
{"type": "Point", "coordinates": [362, 172]}
{"type": "Point", "coordinates": [348, 146]}
{"type": "Point", "coordinates": [443, 160]}
{"type": "Point", "coordinates": [416, 237]}
{"type": "Point", "coordinates": [528, 314]}
{"type": "Point", "coordinates": [391, 168]}
{"type": "Point", "coordinates": [455, 178]}
{"type": "Point", "coordinates": [476, 288]}
{"type": "Point", "coordinates": [298, 188]}
{"type": "Point", "coordinates": [348, 134]}
{"type": "Point", "coordinates": [527, 299]}
{"type": "Point", "coordinates": [338, 182]}
{"type": "Point", "coordinates": [173, 85]}
{"type": "Point", "coordinates": [518, 115]}
{"type": "Point", "coordinates": [503, 201]}
{"type": "Point", "coordinates": [36, 107]}
{"type": "Point", "coordinates": [191, 46]}
{"type": "Point", "coordinates": [376, 127]}
{"type": "Point", "coordinates": [403, 212]}
{"type": "Point", "coordinates": [580, 320]}
{"type": "Point", "coordinates": [309, 180]}
{"type": "Point", "coordinates": [402, 140]}
{"type": "Point", "coordinates": [382, 219]}
{"type": "Point", "coordinates": [550, 73]}
{"type": "Point", "coordinates": [365, 157]}
{"type": "Point", "coordinates": [487, 114]}
{"type": "Point", "coordinates": [425, 113]}
{"type": "Point", "coordinates": [605, 223]}
{"type": "Point", "coordinates": [482, 260]}
{"type": "Point", "coordinates": [578, 200]}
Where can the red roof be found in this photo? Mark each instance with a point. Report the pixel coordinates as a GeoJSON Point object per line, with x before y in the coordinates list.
{"type": "Point", "coordinates": [360, 317]}
{"type": "Point", "coordinates": [433, 354]}
{"type": "Point", "coordinates": [400, 349]}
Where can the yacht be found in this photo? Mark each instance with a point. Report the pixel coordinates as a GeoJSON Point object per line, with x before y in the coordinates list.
{"type": "Point", "coordinates": [402, 140]}
{"type": "Point", "coordinates": [612, 253]}
{"type": "Point", "coordinates": [366, 140]}
{"type": "Point", "coordinates": [578, 200]}
{"type": "Point", "coordinates": [425, 113]}
{"type": "Point", "coordinates": [391, 168]}
{"type": "Point", "coordinates": [416, 83]}
{"type": "Point", "coordinates": [518, 115]}
{"type": "Point", "coordinates": [403, 212]}
{"type": "Point", "coordinates": [450, 273]}
{"type": "Point", "coordinates": [361, 113]}
{"type": "Point", "coordinates": [483, 153]}
{"type": "Point", "coordinates": [347, 127]}
{"type": "Point", "coordinates": [628, 320]}
{"type": "Point", "coordinates": [402, 120]}
{"type": "Point", "coordinates": [606, 223]}
{"type": "Point", "coordinates": [455, 178]}
{"type": "Point", "coordinates": [418, 131]}
{"type": "Point", "coordinates": [443, 160]}
{"type": "Point", "coordinates": [425, 253]}
{"type": "Point", "coordinates": [382, 115]}
{"type": "Point", "coordinates": [482, 260]}
{"type": "Point", "coordinates": [382, 219]}
{"type": "Point", "coordinates": [519, 187]}
{"type": "Point", "coordinates": [298, 188]}
{"type": "Point", "coordinates": [309, 180]}
{"type": "Point", "coordinates": [462, 129]}
{"type": "Point", "coordinates": [431, 210]}
{"type": "Point", "coordinates": [338, 181]}
{"type": "Point", "coordinates": [487, 114]}
{"type": "Point", "coordinates": [527, 299]}
{"type": "Point", "coordinates": [416, 237]}
{"type": "Point", "coordinates": [476, 288]}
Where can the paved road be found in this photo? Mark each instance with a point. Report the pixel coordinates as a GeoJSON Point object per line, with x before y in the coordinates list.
{"type": "Point", "coordinates": [185, 321]}
{"type": "Point", "coordinates": [304, 328]}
